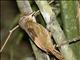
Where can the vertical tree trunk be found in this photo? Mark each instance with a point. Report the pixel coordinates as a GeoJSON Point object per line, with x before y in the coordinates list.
{"type": "Point", "coordinates": [70, 24]}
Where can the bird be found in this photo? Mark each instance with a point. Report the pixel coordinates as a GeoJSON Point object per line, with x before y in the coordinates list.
{"type": "Point", "coordinates": [39, 35]}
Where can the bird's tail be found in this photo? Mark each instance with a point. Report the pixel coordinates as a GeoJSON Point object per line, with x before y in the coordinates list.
{"type": "Point", "coordinates": [57, 54]}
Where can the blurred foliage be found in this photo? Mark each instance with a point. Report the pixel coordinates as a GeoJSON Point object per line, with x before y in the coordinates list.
{"type": "Point", "coordinates": [71, 24]}
{"type": "Point", "coordinates": [18, 46]}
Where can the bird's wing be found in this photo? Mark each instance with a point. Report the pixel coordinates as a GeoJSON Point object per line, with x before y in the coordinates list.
{"type": "Point", "coordinates": [39, 44]}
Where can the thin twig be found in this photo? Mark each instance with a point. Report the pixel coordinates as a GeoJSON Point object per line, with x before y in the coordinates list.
{"type": "Point", "coordinates": [69, 41]}
{"type": "Point", "coordinates": [38, 11]}
{"type": "Point", "coordinates": [10, 32]}
{"type": "Point", "coordinates": [51, 2]}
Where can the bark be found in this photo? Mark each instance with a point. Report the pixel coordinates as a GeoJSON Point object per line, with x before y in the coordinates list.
{"type": "Point", "coordinates": [71, 24]}
{"type": "Point", "coordinates": [24, 6]}
{"type": "Point", "coordinates": [55, 28]}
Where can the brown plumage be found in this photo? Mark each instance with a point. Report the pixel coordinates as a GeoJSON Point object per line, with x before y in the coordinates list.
{"type": "Point", "coordinates": [40, 36]}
